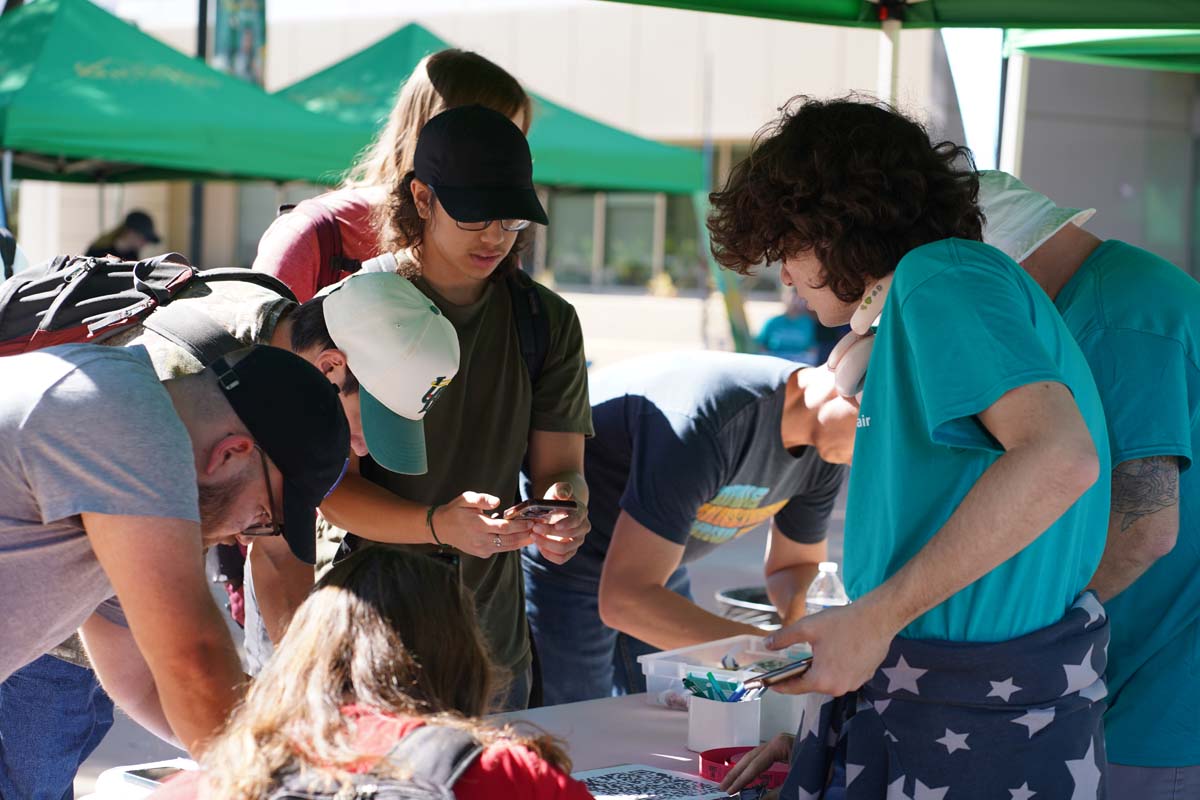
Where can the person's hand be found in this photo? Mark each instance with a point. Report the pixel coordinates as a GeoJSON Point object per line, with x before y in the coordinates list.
{"type": "Point", "coordinates": [560, 535]}
{"type": "Point", "coordinates": [753, 764]}
{"type": "Point", "coordinates": [848, 643]}
{"type": "Point", "coordinates": [466, 524]}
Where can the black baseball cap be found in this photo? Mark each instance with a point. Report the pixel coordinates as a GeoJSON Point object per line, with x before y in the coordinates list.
{"type": "Point", "coordinates": [294, 414]}
{"type": "Point", "coordinates": [140, 222]}
{"type": "Point", "coordinates": [479, 165]}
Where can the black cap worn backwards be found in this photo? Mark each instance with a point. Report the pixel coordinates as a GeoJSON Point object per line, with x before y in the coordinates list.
{"type": "Point", "coordinates": [478, 163]}
{"type": "Point", "coordinates": [294, 414]}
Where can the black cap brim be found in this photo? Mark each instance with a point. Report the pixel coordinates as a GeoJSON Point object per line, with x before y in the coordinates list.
{"type": "Point", "coordinates": [300, 522]}
{"type": "Point", "coordinates": [476, 204]}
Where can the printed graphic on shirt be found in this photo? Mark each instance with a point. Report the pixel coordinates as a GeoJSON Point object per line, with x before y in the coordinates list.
{"type": "Point", "coordinates": [733, 512]}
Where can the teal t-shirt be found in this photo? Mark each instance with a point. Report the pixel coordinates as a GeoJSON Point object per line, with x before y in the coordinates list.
{"type": "Point", "coordinates": [963, 325]}
{"type": "Point", "coordinates": [794, 338]}
{"type": "Point", "coordinates": [1137, 319]}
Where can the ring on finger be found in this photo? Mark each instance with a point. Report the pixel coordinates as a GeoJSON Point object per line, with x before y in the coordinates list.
{"type": "Point", "coordinates": [498, 541]}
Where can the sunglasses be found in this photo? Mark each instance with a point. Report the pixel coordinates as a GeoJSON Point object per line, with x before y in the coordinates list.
{"type": "Point", "coordinates": [510, 225]}
{"type": "Point", "coordinates": [270, 527]}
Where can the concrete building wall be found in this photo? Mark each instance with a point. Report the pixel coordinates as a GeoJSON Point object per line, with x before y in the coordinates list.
{"type": "Point", "coordinates": [641, 69]}
{"type": "Point", "coordinates": [1121, 141]}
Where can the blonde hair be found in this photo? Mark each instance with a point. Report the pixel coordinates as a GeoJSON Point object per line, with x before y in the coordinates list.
{"type": "Point", "coordinates": [446, 79]}
{"type": "Point", "coordinates": [388, 629]}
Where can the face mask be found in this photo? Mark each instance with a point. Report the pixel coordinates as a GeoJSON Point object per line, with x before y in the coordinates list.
{"type": "Point", "coordinates": [849, 359]}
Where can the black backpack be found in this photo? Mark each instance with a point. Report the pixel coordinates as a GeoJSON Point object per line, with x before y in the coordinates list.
{"type": "Point", "coordinates": [8, 252]}
{"type": "Point", "coordinates": [434, 757]}
{"type": "Point", "coordinates": [73, 299]}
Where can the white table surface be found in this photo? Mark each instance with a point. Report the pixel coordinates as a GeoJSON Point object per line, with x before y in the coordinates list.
{"type": "Point", "coordinates": [616, 730]}
{"type": "Point", "coordinates": [598, 733]}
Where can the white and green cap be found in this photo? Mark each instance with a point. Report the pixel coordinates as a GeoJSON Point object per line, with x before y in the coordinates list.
{"type": "Point", "coordinates": [403, 352]}
{"type": "Point", "coordinates": [1020, 220]}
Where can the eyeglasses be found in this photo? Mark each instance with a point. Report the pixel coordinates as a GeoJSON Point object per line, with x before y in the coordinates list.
{"type": "Point", "coordinates": [510, 225]}
{"type": "Point", "coordinates": [270, 527]}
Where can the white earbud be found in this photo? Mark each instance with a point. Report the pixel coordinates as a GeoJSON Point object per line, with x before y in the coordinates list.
{"type": "Point", "coordinates": [871, 306]}
{"type": "Point", "coordinates": [851, 371]}
{"type": "Point", "coordinates": [849, 359]}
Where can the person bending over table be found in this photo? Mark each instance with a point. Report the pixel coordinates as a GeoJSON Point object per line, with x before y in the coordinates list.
{"type": "Point", "coordinates": [691, 451]}
{"type": "Point", "coordinates": [382, 668]}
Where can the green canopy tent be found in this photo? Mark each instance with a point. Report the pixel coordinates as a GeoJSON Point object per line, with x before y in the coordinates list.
{"type": "Point", "coordinates": [958, 13]}
{"type": "Point", "coordinates": [1171, 50]}
{"type": "Point", "coordinates": [569, 149]}
{"type": "Point", "coordinates": [85, 96]}
{"type": "Point", "coordinates": [890, 16]}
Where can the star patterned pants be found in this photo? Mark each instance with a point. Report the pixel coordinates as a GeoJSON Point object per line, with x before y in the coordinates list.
{"type": "Point", "coordinates": [943, 720]}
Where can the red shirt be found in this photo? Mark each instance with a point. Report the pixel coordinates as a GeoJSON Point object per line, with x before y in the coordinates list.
{"type": "Point", "coordinates": [504, 769]}
{"type": "Point", "coordinates": [289, 249]}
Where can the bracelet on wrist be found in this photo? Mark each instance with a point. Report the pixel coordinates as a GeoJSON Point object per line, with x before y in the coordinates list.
{"type": "Point", "coordinates": [429, 523]}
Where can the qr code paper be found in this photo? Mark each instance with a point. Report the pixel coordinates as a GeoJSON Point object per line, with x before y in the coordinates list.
{"type": "Point", "coordinates": [638, 782]}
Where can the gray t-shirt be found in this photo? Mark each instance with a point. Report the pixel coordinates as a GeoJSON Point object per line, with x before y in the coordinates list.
{"type": "Point", "coordinates": [248, 312]}
{"type": "Point", "coordinates": [690, 445]}
{"type": "Point", "coordinates": [82, 428]}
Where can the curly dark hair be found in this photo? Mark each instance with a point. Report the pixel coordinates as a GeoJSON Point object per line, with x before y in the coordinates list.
{"type": "Point", "coordinates": [406, 229]}
{"type": "Point", "coordinates": [852, 180]}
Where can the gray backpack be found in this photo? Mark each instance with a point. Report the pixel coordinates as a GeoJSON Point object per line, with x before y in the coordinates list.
{"type": "Point", "coordinates": [435, 756]}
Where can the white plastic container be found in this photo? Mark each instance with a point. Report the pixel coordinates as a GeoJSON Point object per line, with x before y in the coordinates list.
{"type": "Point", "coordinates": [665, 671]}
{"type": "Point", "coordinates": [780, 713]}
{"type": "Point", "coordinates": [712, 724]}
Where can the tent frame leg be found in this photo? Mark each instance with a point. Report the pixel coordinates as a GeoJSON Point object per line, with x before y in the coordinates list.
{"type": "Point", "coordinates": [1012, 132]}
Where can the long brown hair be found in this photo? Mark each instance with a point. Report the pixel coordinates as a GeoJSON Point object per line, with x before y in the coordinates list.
{"type": "Point", "coordinates": [387, 629]}
{"type": "Point", "coordinates": [446, 79]}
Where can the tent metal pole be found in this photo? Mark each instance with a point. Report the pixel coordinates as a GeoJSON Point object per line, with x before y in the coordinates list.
{"type": "Point", "coordinates": [1012, 134]}
{"type": "Point", "coordinates": [888, 80]}
{"type": "Point", "coordinates": [196, 228]}
{"type": "Point", "coordinates": [6, 192]}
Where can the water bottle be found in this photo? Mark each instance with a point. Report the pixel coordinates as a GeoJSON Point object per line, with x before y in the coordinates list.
{"type": "Point", "coordinates": [826, 589]}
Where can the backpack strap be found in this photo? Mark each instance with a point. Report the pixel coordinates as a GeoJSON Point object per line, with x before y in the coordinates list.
{"type": "Point", "coordinates": [8, 252]}
{"type": "Point", "coordinates": [334, 264]}
{"type": "Point", "coordinates": [193, 330]}
{"type": "Point", "coordinates": [262, 279]}
{"type": "Point", "coordinates": [533, 327]}
{"type": "Point", "coordinates": [437, 754]}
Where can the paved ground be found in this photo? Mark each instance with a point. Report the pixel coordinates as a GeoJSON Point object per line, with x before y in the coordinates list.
{"type": "Point", "coordinates": [615, 327]}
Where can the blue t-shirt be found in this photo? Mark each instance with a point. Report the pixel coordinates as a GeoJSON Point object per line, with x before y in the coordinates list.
{"type": "Point", "coordinates": [962, 326]}
{"type": "Point", "coordinates": [794, 338]}
{"type": "Point", "coordinates": [1137, 319]}
{"type": "Point", "coordinates": [690, 446]}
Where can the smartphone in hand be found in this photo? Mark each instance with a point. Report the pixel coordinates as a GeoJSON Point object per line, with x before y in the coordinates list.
{"type": "Point", "coordinates": [539, 509]}
{"type": "Point", "coordinates": [784, 673]}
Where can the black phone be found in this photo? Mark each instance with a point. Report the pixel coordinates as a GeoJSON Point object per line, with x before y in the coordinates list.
{"type": "Point", "coordinates": [150, 776]}
{"type": "Point", "coordinates": [784, 673]}
{"type": "Point", "coordinates": [539, 509]}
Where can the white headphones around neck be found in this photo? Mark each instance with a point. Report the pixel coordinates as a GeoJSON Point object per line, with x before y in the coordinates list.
{"type": "Point", "coordinates": [850, 357]}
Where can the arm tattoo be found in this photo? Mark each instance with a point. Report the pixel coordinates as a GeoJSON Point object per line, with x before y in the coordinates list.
{"type": "Point", "coordinates": [1143, 487]}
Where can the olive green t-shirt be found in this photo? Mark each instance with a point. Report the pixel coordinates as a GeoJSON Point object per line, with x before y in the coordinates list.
{"type": "Point", "coordinates": [477, 432]}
